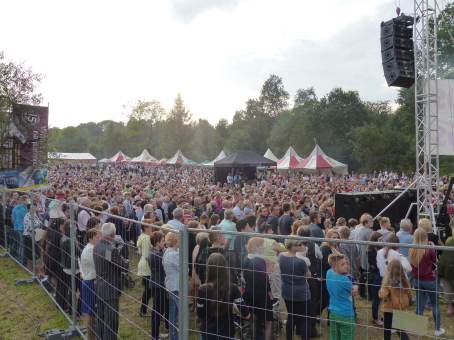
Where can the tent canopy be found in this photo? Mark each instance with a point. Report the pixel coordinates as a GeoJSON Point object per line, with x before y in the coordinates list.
{"type": "Point", "coordinates": [180, 159]}
{"type": "Point", "coordinates": [73, 156]}
{"type": "Point", "coordinates": [290, 160]}
{"type": "Point", "coordinates": [221, 155]}
{"type": "Point", "coordinates": [144, 157]}
{"type": "Point", "coordinates": [119, 157]}
{"type": "Point", "coordinates": [270, 155]}
{"type": "Point", "coordinates": [244, 159]}
{"type": "Point", "coordinates": [319, 161]}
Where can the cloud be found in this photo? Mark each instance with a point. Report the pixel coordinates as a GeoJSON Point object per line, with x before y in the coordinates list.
{"type": "Point", "coordinates": [186, 10]}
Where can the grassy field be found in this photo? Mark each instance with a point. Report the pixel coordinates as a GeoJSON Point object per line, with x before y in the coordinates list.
{"type": "Point", "coordinates": [26, 311]}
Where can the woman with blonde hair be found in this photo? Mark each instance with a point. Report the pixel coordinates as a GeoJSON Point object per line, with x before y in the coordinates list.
{"type": "Point", "coordinates": [426, 225]}
{"type": "Point", "coordinates": [171, 265]}
{"type": "Point", "coordinates": [423, 262]}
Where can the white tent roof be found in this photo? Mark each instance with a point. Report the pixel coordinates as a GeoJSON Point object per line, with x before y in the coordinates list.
{"type": "Point", "coordinates": [119, 157]}
{"type": "Point", "coordinates": [270, 155]}
{"type": "Point", "coordinates": [104, 160]}
{"type": "Point", "coordinates": [221, 155]}
{"type": "Point", "coordinates": [290, 160]}
{"type": "Point", "coordinates": [319, 161]}
{"type": "Point", "coordinates": [144, 157]}
{"type": "Point", "coordinates": [179, 158]}
{"type": "Point", "coordinates": [81, 156]}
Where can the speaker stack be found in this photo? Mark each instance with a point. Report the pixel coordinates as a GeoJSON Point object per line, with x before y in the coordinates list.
{"type": "Point", "coordinates": [397, 51]}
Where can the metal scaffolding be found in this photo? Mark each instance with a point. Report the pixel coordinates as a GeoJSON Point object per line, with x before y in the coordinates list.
{"type": "Point", "coordinates": [426, 107]}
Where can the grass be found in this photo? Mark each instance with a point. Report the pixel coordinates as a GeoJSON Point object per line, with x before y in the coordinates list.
{"type": "Point", "coordinates": [25, 311]}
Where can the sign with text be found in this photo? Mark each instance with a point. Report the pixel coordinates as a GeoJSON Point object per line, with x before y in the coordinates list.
{"type": "Point", "coordinates": [24, 147]}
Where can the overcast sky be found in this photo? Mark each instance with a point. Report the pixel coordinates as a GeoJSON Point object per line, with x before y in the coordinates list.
{"type": "Point", "coordinates": [100, 56]}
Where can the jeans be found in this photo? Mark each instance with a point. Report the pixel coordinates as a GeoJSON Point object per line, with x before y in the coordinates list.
{"type": "Point", "coordinates": [375, 287]}
{"type": "Point", "coordinates": [428, 290]}
{"type": "Point", "coordinates": [146, 295]}
{"type": "Point", "coordinates": [159, 311]}
{"type": "Point", "coordinates": [17, 247]}
{"type": "Point", "coordinates": [173, 315]}
{"type": "Point", "coordinates": [298, 317]}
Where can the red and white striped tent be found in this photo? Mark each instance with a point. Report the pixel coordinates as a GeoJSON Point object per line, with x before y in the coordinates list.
{"type": "Point", "coordinates": [119, 157]}
{"type": "Point", "coordinates": [290, 160]}
{"type": "Point", "coordinates": [318, 161]}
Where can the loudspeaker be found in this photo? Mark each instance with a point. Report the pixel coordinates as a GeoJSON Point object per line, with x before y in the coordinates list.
{"type": "Point", "coordinates": [397, 51]}
{"type": "Point", "coordinates": [353, 205]}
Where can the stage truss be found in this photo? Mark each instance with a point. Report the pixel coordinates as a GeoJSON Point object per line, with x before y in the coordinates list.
{"type": "Point", "coordinates": [426, 107]}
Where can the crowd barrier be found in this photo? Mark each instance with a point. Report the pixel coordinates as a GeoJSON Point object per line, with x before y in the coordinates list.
{"type": "Point", "coordinates": [125, 298]}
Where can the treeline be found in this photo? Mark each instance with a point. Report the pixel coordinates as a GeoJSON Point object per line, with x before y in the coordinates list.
{"type": "Point", "coordinates": [366, 135]}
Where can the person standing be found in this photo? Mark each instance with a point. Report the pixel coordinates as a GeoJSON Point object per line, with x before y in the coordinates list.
{"type": "Point", "coordinates": [228, 225]}
{"type": "Point", "coordinates": [295, 290]}
{"type": "Point", "coordinates": [341, 289]}
{"type": "Point", "coordinates": [88, 275]}
{"type": "Point", "coordinates": [160, 309]}
{"type": "Point", "coordinates": [18, 214]}
{"type": "Point", "coordinates": [285, 221]}
{"type": "Point", "coordinates": [217, 300]}
{"type": "Point", "coordinates": [143, 269]}
{"type": "Point", "coordinates": [423, 262]}
{"type": "Point", "coordinates": [314, 227]}
{"type": "Point", "coordinates": [395, 292]}
{"type": "Point", "coordinates": [363, 232]}
{"type": "Point", "coordinates": [109, 265]}
{"type": "Point", "coordinates": [171, 265]}
{"type": "Point", "coordinates": [404, 235]}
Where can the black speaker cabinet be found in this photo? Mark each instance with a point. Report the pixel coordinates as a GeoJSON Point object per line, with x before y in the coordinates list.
{"type": "Point", "coordinates": [353, 205]}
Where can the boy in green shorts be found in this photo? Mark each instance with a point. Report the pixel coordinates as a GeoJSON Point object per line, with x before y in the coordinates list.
{"type": "Point", "coordinates": [340, 289]}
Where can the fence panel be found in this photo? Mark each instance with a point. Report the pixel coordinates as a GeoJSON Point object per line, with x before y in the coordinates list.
{"type": "Point", "coordinates": [136, 280]}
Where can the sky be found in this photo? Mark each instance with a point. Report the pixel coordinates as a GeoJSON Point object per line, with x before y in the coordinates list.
{"type": "Point", "coordinates": [99, 57]}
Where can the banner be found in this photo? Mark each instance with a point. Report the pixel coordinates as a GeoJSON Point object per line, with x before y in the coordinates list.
{"type": "Point", "coordinates": [446, 116]}
{"type": "Point", "coordinates": [23, 137]}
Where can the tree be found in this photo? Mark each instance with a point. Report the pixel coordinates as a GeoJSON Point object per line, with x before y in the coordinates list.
{"type": "Point", "coordinates": [273, 96]}
{"type": "Point", "coordinates": [305, 97]}
{"type": "Point", "coordinates": [179, 112]}
{"type": "Point", "coordinates": [148, 111]}
{"type": "Point", "coordinates": [446, 42]}
{"type": "Point", "coordinates": [17, 84]}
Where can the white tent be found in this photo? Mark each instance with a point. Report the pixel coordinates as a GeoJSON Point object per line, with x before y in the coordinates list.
{"type": "Point", "coordinates": [119, 157]}
{"type": "Point", "coordinates": [270, 155]}
{"type": "Point", "coordinates": [104, 160]}
{"type": "Point", "coordinates": [180, 159]}
{"type": "Point", "coordinates": [290, 160]}
{"type": "Point", "coordinates": [144, 157]}
{"type": "Point", "coordinates": [221, 155]}
{"type": "Point", "coordinates": [71, 157]}
{"type": "Point", "coordinates": [318, 161]}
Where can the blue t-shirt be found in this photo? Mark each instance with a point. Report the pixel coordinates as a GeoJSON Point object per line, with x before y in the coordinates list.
{"type": "Point", "coordinates": [340, 294]}
{"type": "Point", "coordinates": [18, 214]}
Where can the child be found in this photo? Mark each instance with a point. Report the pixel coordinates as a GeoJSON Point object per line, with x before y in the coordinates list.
{"type": "Point", "coordinates": [395, 293]}
{"type": "Point", "coordinates": [340, 289]}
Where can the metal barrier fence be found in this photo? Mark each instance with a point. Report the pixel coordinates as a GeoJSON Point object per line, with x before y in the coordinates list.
{"type": "Point", "coordinates": [216, 284]}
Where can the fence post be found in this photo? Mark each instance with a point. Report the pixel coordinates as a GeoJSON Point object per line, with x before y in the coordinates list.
{"type": "Point", "coordinates": [73, 265]}
{"type": "Point", "coordinates": [5, 227]}
{"type": "Point", "coordinates": [32, 234]}
{"type": "Point", "coordinates": [183, 316]}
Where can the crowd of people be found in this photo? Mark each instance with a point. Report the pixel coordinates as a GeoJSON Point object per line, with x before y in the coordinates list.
{"type": "Point", "coordinates": [240, 284]}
